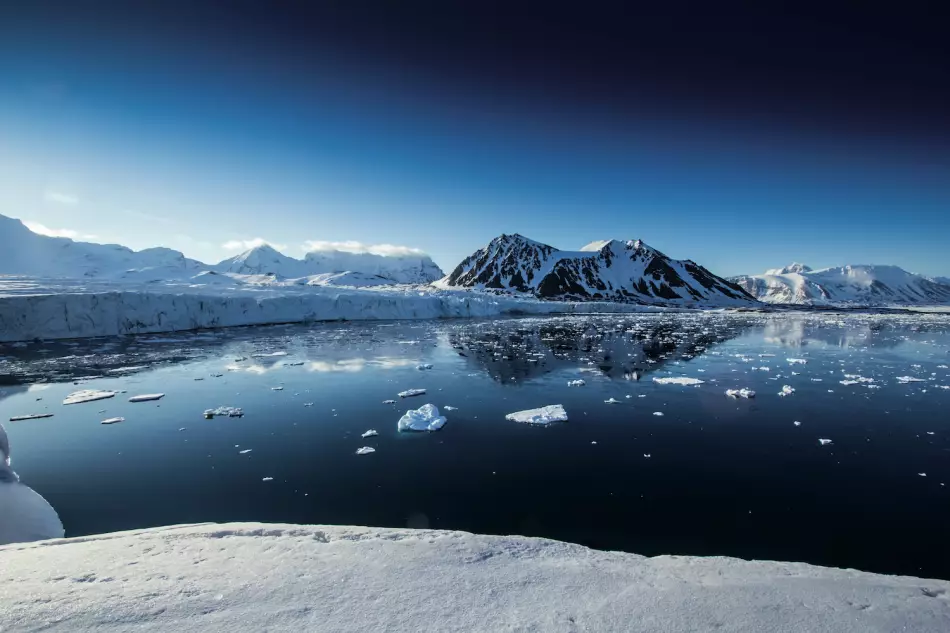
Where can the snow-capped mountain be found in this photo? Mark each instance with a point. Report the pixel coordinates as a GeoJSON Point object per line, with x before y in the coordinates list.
{"type": "Point", "coordinates": [336, 267]}
{"type": "Point", "coordinates": [23, 252]}
{"type": "Point", "coordinates": [608, 270]}
{"type": "Point", "coordinates": [845, 285]}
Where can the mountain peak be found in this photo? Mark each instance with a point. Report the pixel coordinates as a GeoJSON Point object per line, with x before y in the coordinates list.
{"type": "Point", "coordinates": [794, 267]}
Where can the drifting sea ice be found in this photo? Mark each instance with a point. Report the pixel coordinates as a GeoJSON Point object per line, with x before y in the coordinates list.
{"type": "Point", "coordinates": [369, 433]}
{"type": "Point", "coordinates": [740, 393]}
{"type": "Point", "coordinates": [612, 401]}
{"type": "Point", "coordinates": [425, 418]}
{"type": "Point", "coordinates": [147, 397]}
{"type": "Point", "coordinates": [245, 451]}
{"type": "Point", "coordinates": [408, 393]}
{"type": "Point", "coordinates": [88, 395]}
{"type": "Point", "coordinates": [112, 421]}
{"type": "Point", "coordinates": [678, 380]}
{"type": "Point", "coordinates": [576, 383]}
{"type": "Point", "coordinates": [231, 412]}
{"type": "Point", "coordinates": [365, 450]}
{"type": "Point", "coordinates": [797, 361]}
{"type": "Point", "coordinates": [909, 379]}
{"type": "Point", "coordinates": [30, 416]}
{"type": "Point", "coordinates": [424, 366]}
{"type": "Point", "coordinates": [787, 390]}
{"type": "Point", "coordinates": [543, 415]}
{"type": "Point", "coordinates": [823, 442]}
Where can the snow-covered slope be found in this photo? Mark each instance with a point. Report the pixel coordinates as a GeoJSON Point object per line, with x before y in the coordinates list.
{"type": "Point", "coordinates": [257, 577]}
{"type": "Point", "coordinates": [608, 270]}
{"type": "Point", "coordinates": [369, 268]}
{"type": "Point", "coordinates": [24, 252]}
{"type": "Point", "coordinates": [845, 285]}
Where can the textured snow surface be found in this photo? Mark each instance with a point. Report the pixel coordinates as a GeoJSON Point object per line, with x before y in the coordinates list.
{"type": "Point", "coordinates": [425, 418]}
{"type": "Point", "coordinates": [543, 415]}
{"type": "Point", "coordinates": [256, 577]}
{"type": "Point", "coordinates": [845, 285]}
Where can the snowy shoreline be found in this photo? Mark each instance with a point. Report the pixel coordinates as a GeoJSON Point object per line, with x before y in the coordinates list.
{"type": "Point", "coordinates": [251, 576]}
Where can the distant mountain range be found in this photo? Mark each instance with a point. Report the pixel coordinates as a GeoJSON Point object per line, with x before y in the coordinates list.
{"type": "Point", "coordinates": [610, 270]}
{"type": "Point", "coordinates": [845, 285]}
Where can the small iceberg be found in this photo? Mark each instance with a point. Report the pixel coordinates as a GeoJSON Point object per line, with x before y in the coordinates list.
{"type": "Point", "coordinates": [787, 390]}
{"type": "Point", "coordinates": [408, 393]}
{"type": "Point", "coordinates": [230, 412]}
{"type": "Point", "coordinates": [112, 421]}
{"type": "Point", "coordinates": [612, 401]}
{"type": "Point", "coordinates": [543, 415]}
{"type": "Point", "coordinates": [740, 393]}
{"type": "Point", "coordinates": [366, 450]}
{"type": "Point", "coordinates": [658, 414]}
{"type": "Point", "coordinates": [267, 479]}
{"type": "Point", "coordinates": [678, 380]}
{"type": "Point", "coordinates": [909, 379]}
{"type": "Point", "coordinates": [245, 451]}
{"type": "Point", "coordinates": [576, 383]}
{"type": "Point", "coordinates": [424, 366]}
{"type": "Point", "coordinates": [88, 395]}
{"type": "Point", "coordinates": [147, 397]}
{"type": "Point", "coordinates": [823, 442]}
{"type": "Point", "coordinates": [797, 361]}
{"type": "Point", "coordinates": [448, 408]}
{"type": "Point", "coordinates": [370, 433]}
{"type": "Point", "coordinates": [30, 416]}
{"type": "Point", "coordinates": [26, 515]}
{"type": "Point", "coordinates": [389, 402]}
{"type": "Point", "coordinates": [425, 418]}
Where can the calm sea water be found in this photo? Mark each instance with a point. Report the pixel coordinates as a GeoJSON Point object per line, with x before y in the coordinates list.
{"type": "Point", "coordinates": [711, 476]}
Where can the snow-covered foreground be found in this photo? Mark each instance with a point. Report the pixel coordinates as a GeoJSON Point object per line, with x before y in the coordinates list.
{"type": "Point", "coordinates": [255, 577]}
{"type": "Point", "coordinates": [31, 309]}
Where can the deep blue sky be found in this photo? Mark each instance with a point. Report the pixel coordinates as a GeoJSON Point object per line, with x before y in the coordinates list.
{"type": "Point", "coordinates": [742, 141]}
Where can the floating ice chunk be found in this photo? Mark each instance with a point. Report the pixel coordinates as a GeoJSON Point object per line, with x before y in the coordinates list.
{"type": "Point", "coordinates": [448, 408]}
{"type": "Point", "coordinates": [543, 415]}
{"type": "Point", "coordinates": [797, 361]}
{"type": "Point", "coordinates": [263, 355]}
{"type": "Point", "coordinates": [761, 369]}
{"type": "Point", "coordinates": [787, 390]}
{"type": "Point", "coordinates": [425, 418]}
{"type": "Point", "coordinates": [112, 421]}
{"type": "Point", "coordinates": [740, 393]}
{"type": "Point", "coordinates": [658, 414]}
{"type": "Point", "coordinates": [147, 397]}
{"type": "Point", "coordinates": [231, 412]}
{"type": "Point", "coordinates": [30, 416]}
{"type": "Point", "coordinates": [245, 451]}
{"type": "Point", "coordinates": [276, 388]}
{"type": "Point", "coordinates": [823, 442]}
{"type": "Point", "coordinates": [921, 474]}
{"type": "Point", "coordinates": [943, 367]}
{"type": "Point", "coordinates": [296, 363]}
{"type": "Point", "coordinates": [908, 379]}
{"type": "Point", "coordinates": [267, 479]}
{"type": "Point", "coordinates": [612, 401]}
{"type": "Point", "coordinates": [88, 395]}
{"type": "Point", "coordinates": [408, 393]}
{"type": "Point", "coordinates": [576, 383]}
{"type": "Point", "coordinates": [391, 401]}
{"type": "Point", "coordinates": [797, 423]}
{"type": "Point", "coordinates": [424, 366]}
{"type": "Point", "coordinates": [678, 380]}
{"type": "Point", "coordinates": [369, 433]}
{"type": "Point", "coordinates": [366, 450]}
{"type": "Point", "coordinates": [647, 455]}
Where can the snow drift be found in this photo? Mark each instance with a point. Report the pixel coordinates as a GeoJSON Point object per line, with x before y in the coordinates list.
{"type": "Point", "coordinates": [845, 286]}
{"type": "Point", "coordinates": [255, 577]}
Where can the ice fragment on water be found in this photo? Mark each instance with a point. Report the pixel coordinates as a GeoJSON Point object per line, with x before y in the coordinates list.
{"type": "Point", "coordinates": [678, 380]}
{"type": "Point", "coordinates": [231, 412]}
{"type": "Point", "coordinates": [369, 433]}
{"type": "Point", "coordinates": [424, 366]}
{"type": "Point", "coordinates": [786, 390]}
{"type": "Point", "coordinates": [658, 413]}
{"type": "Point", "coordinates": [542, 415]}
{"type": "Point", "coordinates": [245, 451]}
{"type": "Point", "coordinates": [366, 450]}
{"type": "Point", "coordinates": [30, 416]}
{"type": "Point", "coordinates": [740, 393]}
{"type": "Point", "coordinates": [425, 418]}
{"type": "Point", "coordinates": [88, 395]}
{"type": "Point", "coordinates": [408, 393]}
{"type": "Point", "coordinates": [147, 397]}
{"type": "Point", "coordinates": [576, 383]}
{"type": "Point", "coordinates": [824, 441]}
{"type": "Point", "coordinates": [612, 401]}
{"type": "Point", "coordinates": [113, 421]}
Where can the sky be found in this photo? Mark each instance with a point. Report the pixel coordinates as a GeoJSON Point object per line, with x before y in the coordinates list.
{"type": "Point", "coordinates": [743, 139]}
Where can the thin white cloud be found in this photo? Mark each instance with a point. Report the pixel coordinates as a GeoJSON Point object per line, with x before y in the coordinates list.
{"type": "Point", "coordinates": [243, 245]}
{"type": "Point", "coordinates": [352, 246]}
{"type": "Point", "coordinates": [60, 198]}
{"type": "Point", "coordinates": [42, 229]}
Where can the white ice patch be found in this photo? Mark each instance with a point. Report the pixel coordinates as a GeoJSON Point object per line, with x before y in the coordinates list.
{"type": "Point", "coordinates": [678, 380]}
{"type": "Point", "coordinates": [147, 397]}
{"type": "Point", "coordinates": [787, 390]}
{"type": "Point", "coordinates": [448, 408]}
{"type": "Point", "coordinates": [369, 433]}
{"type": "Point", "coordinates": [543, 415]}
{"type": "Point", "coordinates": [576, 383]}
{"type": "Point", "coordinates": [365, 450]}
{"type": "Point", "coordinates": [30, 416]}
{"type": "Point", "coordinates": [231, 412]}
{"type": "Point", "coordinates": [112, 420]}
{"type": "Point", "coordinates": [909, 379]}
{"type": "Point", "coordinates": [267, 479]}
{"type": "Point", "coordinates": [392, 401]}
{"type": "Point", "coordinates": [612, 401]}
{"type": "Point", "coordinates": [425, 418]}
{"type": "Point", "coordinates": [658, 414]}
{"type": "Point", "coordinates": [245, 451]}
{"type": "Point", "coordinates": [823, 442]}
{"type": "Point", "coordinates": [797, 361]}
{"type": "Point", "coordinates": [408, 393]}
{"type": "Point", "coordinates": [88, 395]}
{"type": "Point", "coordinates": [740, 393]}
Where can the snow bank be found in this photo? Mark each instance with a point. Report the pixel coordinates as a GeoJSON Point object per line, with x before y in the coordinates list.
{"type": "Point", "coordinates": [254, 577]}
{"type": "Point", "coordinates": [51, 309]}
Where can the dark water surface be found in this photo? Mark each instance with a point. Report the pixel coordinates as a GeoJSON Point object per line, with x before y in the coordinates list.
{"type": "Point", "coordinates": [724, 476]}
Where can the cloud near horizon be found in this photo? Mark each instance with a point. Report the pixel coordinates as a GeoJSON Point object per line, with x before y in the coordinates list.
{"type": "Point", "coordinates": [60, 198]}
{"type": "Point", "coordinates": [244, 245]}
{"type": "Point", "coordinates": [352, 246]}
{"type": "Point", "coordinates": [42, 229]}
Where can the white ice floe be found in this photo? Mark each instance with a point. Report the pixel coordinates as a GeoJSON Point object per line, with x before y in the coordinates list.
{"type": "Point", "coordinates": [88, 395]}
{"type": "Point", "coordinates": [740, 393]}
{"type": "Point", "coordinates": [276, 388]}
{"type": "Point", "coordinates": [30, 416]}
{"type": "Point", "coordinates": [392, 401]}
{"type": "Point", "coordinates": [921, 474]}
{"type": "Point", "coordinates": [365, 450]}
{"type": "Point", "coordinates": [797, 423]}
{"type": "Point", "coordinates": [542, 415]}
{"type": "Point", "coordinates": [576, 383]}
{"type": "Point", "coordinates": [112, 420]}
{"type": "Point", "coordinates": [908, 379]}
{"type": "Point", "coordinates": [824, 442]}
{"type": "Point", "coordinates": [787, 390]}
{"type": "Point", "coordinates": [369, 433]}
{"type": "Point", "coordinates": [424, 366]}
{"type": "Point", "coordinates": [147, 397]}
{"type": "Point", "coordinates": [245, 451]}
{"type": "Point", "coordinates": [448, 408]}
{"type": "Point", "coordinates": [408, 393]}
{"type": "Point", "coordinates": [425, 418]}
{"type": "Point", "coordinates": [611, 401]}
{"type": "Point", "coordinates": [231, 412]}
{"type": "Point", "coordinates": [796, 361]}
{"type": "Point", "coordinates": [24, 514]}
{"type": "Point", "coordinates": [678, 380]}
{"type": "Point", "coordinates": [267, 479]}
{"type": "Point", "coordinates": [658, 414]}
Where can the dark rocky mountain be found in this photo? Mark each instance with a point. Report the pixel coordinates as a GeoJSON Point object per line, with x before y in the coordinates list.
{"type": "Point", "coordinates": [612, 270]}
